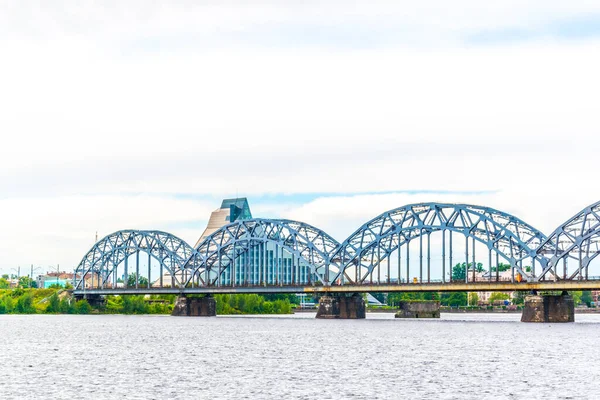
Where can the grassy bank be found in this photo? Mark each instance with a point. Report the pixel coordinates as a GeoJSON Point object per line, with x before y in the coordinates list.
{"type": "Point", "coordinates": [58, 301]}
{"type": "Point", "coordinates": [40, 301]}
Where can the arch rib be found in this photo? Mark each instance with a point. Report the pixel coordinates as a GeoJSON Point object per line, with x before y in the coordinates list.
{"type": "Point", "coordinates": [512, 238]}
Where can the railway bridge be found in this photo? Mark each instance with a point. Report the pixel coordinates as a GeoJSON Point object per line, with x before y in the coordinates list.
{"type": "Point", "coordinates": [418, 247]}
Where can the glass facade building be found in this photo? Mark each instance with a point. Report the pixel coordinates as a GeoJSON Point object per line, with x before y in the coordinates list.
{"type": "Point", "coordinates": [257, 262]}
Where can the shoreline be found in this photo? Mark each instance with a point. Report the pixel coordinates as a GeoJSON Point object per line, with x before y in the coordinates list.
{"type": "Point", "coordinates": [459, 311]}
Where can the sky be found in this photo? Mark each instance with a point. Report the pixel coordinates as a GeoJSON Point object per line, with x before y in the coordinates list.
{"type": "Point", "coordinates": [119, 115]}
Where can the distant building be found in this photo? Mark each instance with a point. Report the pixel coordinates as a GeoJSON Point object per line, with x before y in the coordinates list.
{"type": "Point", "coordinates": [484, 276]}
{"type": "Point", "coordinates": [231, 210]}
{"type": "Point", "coordinates": [64, 278]}
{"type": "Point", "coordinates": [279, 265]}
{"type": "Point", "coordinates": [54, 278]}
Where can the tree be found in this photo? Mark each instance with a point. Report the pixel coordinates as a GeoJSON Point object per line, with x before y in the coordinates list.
{"type": "Point", "coordinates": [576, 294]}
{"type": "Point", "coordinates": [497, 296]}
{"type": "Point", "coordinates": [25, 304]}
{"type": "Point", "coordinates": [142, 281]}
{"type": "Point", "coordinates": [7, 304]}
{"type": "Point", "coordinates": [519, 297]}
{"type": "Point", "coordinates": [586, 298]}
{"type": "Point", "coordinates": [26, 282]}
{"type": "Point", "coordinates": [454, 299]}
{"type": "Point", "coordinates": [501, 267]}
{"type": "Point", "coordinates": [291, 297]}
{"type": "Point", "coordinates": [53, 304]}
{"type": "Point", "coordinates": [458, 272]}
{"type": "Point", "coordinates": [395, 298]}
{"type": "Point", "coordinates": [473, 299]}
{"type": "Point", "coordinates": [4, 283]}
{"type": "Point", "coordinates": [82, 307]}
{"type": "Point", "coordinates": [66, 306]}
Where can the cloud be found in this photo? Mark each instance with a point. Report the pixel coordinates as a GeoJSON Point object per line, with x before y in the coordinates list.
{"type": "Point", "coordinates": [59, 230]}
{"type": "Point", "coordinates": [136, 115]}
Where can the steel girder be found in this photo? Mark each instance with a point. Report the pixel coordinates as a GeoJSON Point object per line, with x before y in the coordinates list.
{"type": "Point", "coordinates": [510, 237]}
{"type": "Point", "coordinates": [578, 238]}
{"type": "Point", "coordinates": [109, 252]}
{"type": "Point", "coordinates": [215, 254]}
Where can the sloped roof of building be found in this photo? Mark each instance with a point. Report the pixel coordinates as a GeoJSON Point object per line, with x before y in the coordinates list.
{"type": "Point", "coordinates": [231, 210]}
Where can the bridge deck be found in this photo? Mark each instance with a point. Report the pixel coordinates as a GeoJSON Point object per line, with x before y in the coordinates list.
{"type": "Point", "coordinates": [420, 287]}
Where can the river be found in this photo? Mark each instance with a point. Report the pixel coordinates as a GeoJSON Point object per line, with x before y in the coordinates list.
{"type": "Point", "coordinates": [474, 356]}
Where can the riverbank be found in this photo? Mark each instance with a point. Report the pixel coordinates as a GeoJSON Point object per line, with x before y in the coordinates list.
{"type": "Point", "coordinates": [60, 301]}
{"type": "Point", "coordinates": [466, 311]}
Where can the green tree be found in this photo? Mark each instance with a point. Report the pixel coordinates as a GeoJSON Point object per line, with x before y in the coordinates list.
{"type": "Point", "coordinates": [4, 284]}
{"type": "Point", "coordinates": [454, 299]}
{"type": "Point", "coordinates": [26, 282]}
{"type": "Point", "coordinates": [82, 307]}
{"type": "Point", "coordinates": [282, 307]}
{"type": "Point", "coordinates": [142, 281]}
{"type": "Point", "coordinates": [576, 294]}
{"type": "Point", "coordinates": [291, 297]}
{"type": "Point", "coordinates": [53, 304]}
{"type": "Point", "coordinates": [396, 297]}
{"type": "Point", "coordinates": [8, 303]}
{"type": "Point", "coordinates": [586, 298]}
{"type": "Point", "coordinates": [473, 299]}
{"type": "Point", "coordinates": [497, 296]}
{"type": "Point", "coordinates": [458, 272]}
{"type": "Point", "coordinates": [519, 297]}
{"type": "Point", "coordinates": [501, 267]}
{"type": "Point", "coordinates": [114, 304]}
{"type": "Point", "coordinates": [66, 306]}
{"type": "Point", "coordinates": [25, 304]}
{"type": "Point", "coordinates": [134, 305]}
{"type": "Point", "coordinates": [268, 307]}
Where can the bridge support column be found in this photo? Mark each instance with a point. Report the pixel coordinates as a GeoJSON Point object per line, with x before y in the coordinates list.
{"type": "Point", "coordinates": [94, 300]}
{"type": "Point", "coordinates": [549, 308]}
{"type": "Point", "coordinates": [195, 307]}
{"type": "Point", "coordinates": [418, 309]}
{"type": "Point", "coordinates": [344, 307]}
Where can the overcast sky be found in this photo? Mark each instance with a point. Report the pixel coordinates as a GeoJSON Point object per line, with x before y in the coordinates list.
{"type": "Point", "coordinates": [145, 115]}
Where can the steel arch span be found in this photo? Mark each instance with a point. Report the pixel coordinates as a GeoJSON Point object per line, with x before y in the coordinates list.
{"type": "Point", "coordinates": [103, 259]}
{"type": "Point", "coordinates": [261, 252]}
{"type": "Point", "coordinates": [578, 240]}
{"type": "Point", "coordinates": [506, 235]}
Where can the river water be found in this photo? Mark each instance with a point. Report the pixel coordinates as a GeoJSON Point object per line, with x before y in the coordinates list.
{"type": "Point", "coordinates": [475, 356]}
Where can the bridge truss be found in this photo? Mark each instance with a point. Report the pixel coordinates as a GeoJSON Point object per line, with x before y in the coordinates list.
{"type": "Point", "coordinates": [360, 257]}
{"type": "Point", "coordinates": [576, 241]}
{"type": "Point", "coordinates": [263, 252]}
{"type": "Point", "coordinates": [270, 253]}
{"type": "Point", "coordinates": [100, 264]}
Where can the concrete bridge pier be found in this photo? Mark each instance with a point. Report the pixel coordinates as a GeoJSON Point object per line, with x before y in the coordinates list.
{"type": "Point", "coordinates": [546, 308]}
{"type": "Point", "coordinates": [94, 300]}
{"type": "Point", "coordinates": [341, 306]}
{"type": "Point", "coordinates": [195, 307]}
{"type": "Point", "coordinates": [418, 309]}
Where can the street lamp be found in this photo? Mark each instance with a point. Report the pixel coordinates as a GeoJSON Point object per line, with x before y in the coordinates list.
{"type": "Point", "coordinates": [18, 273]}
{"type": "Point", "coordinates": [57, 271]}
{"type": "Point", "coordinates": [31, 275]}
